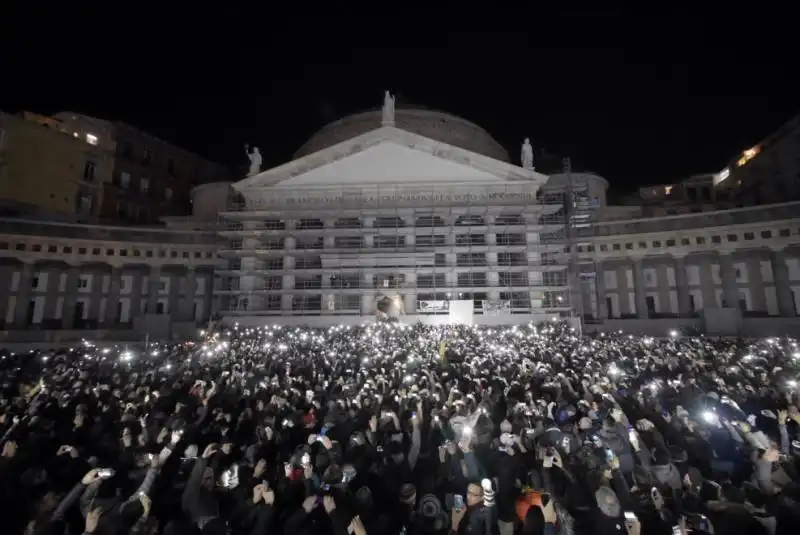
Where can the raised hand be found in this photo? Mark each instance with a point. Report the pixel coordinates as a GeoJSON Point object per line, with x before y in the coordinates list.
{"type": "Point", "coordinates": [92, 519]}
{"type": "Point", "coordinates": [260, 468]}
{"type": "Point", "coordinates": [210, 450]}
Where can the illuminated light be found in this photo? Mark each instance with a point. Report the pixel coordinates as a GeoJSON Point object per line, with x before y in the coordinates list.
{"type": "Point", "coordinates": [673, 333]}
{"type": "Point", "coordinates": [709, 417]}
{"type": "Point", "coordinates": [106, 351]}
{"type": "Point", "coordinates": [722, 175]}
{"type": "Point", "coordinates": [91, 139]}
{"type": "Point", "coordinates": [154, 354]}
{"type": "Point", "coordinates": [748, 155]}
{"type": "Point", "coordinates": [668, 189]}
{"type": "Point", "coordinates": [126, 356]}
{"type": "Point", "coordinates": [792, 383]}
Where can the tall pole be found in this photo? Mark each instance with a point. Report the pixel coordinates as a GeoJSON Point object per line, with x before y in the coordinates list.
{"type": "Point", "coordinates": [572, 266]}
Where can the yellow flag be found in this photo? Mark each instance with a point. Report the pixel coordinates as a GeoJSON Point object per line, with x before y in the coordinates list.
{"type": "Point", "coordinates": [442, 349]}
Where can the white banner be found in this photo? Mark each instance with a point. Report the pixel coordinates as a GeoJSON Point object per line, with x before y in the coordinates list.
{"type": "Point", "coordinates": [495, 307]}
{"type": "Point", "coordinates": [426, 307]}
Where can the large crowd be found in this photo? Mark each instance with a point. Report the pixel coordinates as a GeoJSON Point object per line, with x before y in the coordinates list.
{"type": "Point", "coordinates": [398, 429]}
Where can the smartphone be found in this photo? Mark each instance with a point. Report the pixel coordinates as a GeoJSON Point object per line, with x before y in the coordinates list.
{"type": "Point", "coordinates": [105, 472]}
{"type": "Point", "coordinates": [698, 522]}
{"type": "Point", "coordinates": [458, 502]}
{"type": "Point", "coordinates": [630, 517]}
{"type": "Point", "coordinates": [609, 454]}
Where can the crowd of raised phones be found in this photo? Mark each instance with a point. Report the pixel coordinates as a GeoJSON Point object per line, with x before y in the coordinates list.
{"type": "Point", "coordinates": [403, 429]}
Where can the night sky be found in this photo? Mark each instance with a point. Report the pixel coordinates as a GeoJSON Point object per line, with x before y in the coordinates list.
{"type": "Point", "coordinates": [638, 97]}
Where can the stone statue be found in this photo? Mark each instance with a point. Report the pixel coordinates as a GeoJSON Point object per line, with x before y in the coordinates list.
{"type": "Point", "coordinates": [527, 154]}
{"type": "Point", "coordinates": [387, 117]}
{"type": "Point", "coordinates": [255, 160]}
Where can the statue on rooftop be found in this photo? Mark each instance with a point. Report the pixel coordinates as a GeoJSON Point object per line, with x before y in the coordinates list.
{"type": "Point", "coordinates": [527, 155]}
{"type": "Point", "coordinates": [255, 160]}
{"type": "Point", "coordinates": [387, 115]}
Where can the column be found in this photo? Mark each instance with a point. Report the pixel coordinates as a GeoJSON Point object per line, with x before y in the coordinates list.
{"type": "Point", "coordinates": [174, 297]}
{"type": "Point", "coordinates": [96, 295]}
{"type": "Point", "coordinates": [70, 298]}
{"type": "Point", "coordinates": [51, 294]}
{"type": "Point", "coordinates": [153, 287]}
{"type": "Point", "coordinates": [728, 275]}
{"type": "Point", "coordinates": [112, 298]}
{"type": "Point", "coordinates": [756, 284]}
{"type": "Point", "coordinates": [639, 288]}
{"type": "Point", "coordinates": [136, 293]}
{"type": "Point", "coordinates": [623, 291]}
{"type": "Point", "coordinates": [682, 286]}
{"type": "Point", "coordinates": [187, 304]}
{"type": "Point", "coordinates": [707, 286]}
{"type": "Point", "coordinates": [600, 288]}
{"type": "Point", "coordinates": [780, 274]}
{"type": "Point", "coordinates": [23, 296]}
{"type": "Point", "coordinates": [663, 287]}
{"type": "Point", "coordinates": [410, 299]}
{"type": "Point", "coordinates": [208, 297]}
{"type": "Point", "coordinates": [5, 276]}
{"type": "Point", "coordinates": [368, 305]}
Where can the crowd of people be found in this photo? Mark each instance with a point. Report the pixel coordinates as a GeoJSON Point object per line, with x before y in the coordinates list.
{"type": "Point", "coordinates": [398, 429]}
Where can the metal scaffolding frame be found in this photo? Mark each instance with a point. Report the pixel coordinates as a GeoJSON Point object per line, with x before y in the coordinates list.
{"type": "Point", "coordinates": [337, 250]}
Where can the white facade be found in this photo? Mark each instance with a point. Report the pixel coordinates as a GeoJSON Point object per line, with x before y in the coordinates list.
{"type": "Point", "coordinates": [393, 221]}
{"type": "Point", "coordinates": [653, 274]}
{"type": "Point", "coordinates": [66, 281]}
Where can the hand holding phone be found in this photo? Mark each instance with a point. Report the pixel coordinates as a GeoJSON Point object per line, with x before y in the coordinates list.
{"type": "Point", "coordinates": [458, 502]}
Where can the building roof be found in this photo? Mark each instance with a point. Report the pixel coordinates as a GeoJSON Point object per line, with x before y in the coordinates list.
{"type": "Point", "coordinates": [465, 166]}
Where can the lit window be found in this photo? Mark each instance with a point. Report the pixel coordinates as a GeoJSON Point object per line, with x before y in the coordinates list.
{"type": "Point", "coordinates": [91, 139]}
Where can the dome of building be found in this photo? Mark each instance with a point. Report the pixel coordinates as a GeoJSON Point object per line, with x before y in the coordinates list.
{"type": "Point", "coordinates": [432, 124]}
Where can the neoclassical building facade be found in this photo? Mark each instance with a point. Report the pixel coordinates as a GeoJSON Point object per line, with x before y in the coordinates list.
{"type": "Point", "coordinates": [424, 219]}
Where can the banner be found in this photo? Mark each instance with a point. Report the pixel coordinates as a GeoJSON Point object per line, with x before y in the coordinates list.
{"type": "Point", "coordinates": [495, 307]}
{"type": "Point", "coordinates": [427, 307]}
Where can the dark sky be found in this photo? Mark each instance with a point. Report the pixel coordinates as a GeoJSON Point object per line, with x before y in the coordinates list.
{"type": "Point", "coordinates": [639, 97]}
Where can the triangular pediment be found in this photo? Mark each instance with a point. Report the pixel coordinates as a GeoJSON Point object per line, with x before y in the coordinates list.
{"type": "Point", "coordinates": [388, 156]}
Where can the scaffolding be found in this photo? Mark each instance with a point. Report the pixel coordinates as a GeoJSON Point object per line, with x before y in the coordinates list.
{"type": "Point", "coordinates": [341, 251]}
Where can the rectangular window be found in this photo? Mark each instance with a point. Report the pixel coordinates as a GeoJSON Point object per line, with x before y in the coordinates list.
{"type": "Point", "coordinates": [89, 168]}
